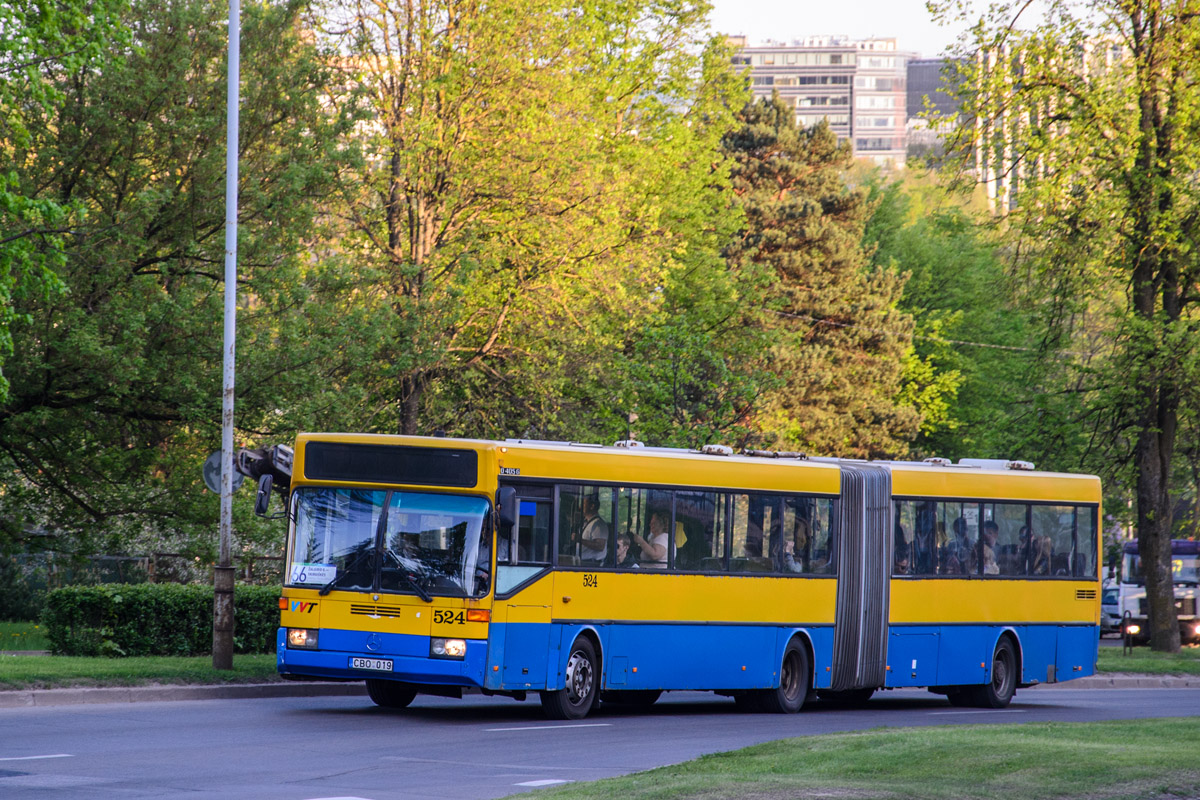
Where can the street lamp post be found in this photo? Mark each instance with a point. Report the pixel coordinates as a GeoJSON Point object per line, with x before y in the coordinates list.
{"type": "Point", "coordinates": [223, 573]}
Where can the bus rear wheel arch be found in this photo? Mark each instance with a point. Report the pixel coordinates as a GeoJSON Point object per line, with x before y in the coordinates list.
{"type": "Point", "coordinates": [577, 698]}
{"type": "Point", "coordinates": [998, 692]}
{"type": "Point", "coordinates": [795, 682]}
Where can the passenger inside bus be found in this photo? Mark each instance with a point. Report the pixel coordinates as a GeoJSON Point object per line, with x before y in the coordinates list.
{"type": "Point", "coordinates": [960, 551]}
{"type": "Point", "coordinates": [987, 543]}
{"type": "Point", "coordinates": [625, 559]}
{"type": "Point", "coordinates": [1034, 552]}
{"type": "Point", "coordinates": [592, 536]}
{"type": "Point", "coordinates": [900, 560]}
{"type": "Point", "coordinates": [653, 546]}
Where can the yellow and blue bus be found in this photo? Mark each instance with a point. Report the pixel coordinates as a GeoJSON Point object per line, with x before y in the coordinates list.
{"type": "Point", "coordinates": [588, 573]}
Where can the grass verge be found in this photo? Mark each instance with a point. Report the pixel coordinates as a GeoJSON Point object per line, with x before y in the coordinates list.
{"type": "Point", "coordinates": [1145, 661]}
{"type": "Point", "coordinates": [23, 636]}
{"type": "Point", "coordinates": [56, 672]}
{"type": "Point", "coordinates": [1110, 760]}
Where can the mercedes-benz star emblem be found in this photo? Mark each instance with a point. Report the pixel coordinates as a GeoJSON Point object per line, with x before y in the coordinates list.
{"type": "Point", "coordinates": [373, 642]}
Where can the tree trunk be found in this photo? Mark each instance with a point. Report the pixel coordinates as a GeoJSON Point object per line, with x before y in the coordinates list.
{"type": "Point", "coordinates": [410, 404]}
{"type": "Point", "coordinates": [1154, 542]}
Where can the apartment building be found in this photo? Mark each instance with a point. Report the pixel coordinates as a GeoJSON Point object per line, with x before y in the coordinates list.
{"type": "Point", "coordinates": [857, 85]}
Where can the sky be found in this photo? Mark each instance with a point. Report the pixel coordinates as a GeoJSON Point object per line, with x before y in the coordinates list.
{"type": "Point", "coordinates": [783, 20]}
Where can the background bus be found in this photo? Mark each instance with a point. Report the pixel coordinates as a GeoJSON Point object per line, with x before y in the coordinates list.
{"type": "Point", "coordinates": [441, 566]}
{"type": "Point", "coordinates": [1185, 569]}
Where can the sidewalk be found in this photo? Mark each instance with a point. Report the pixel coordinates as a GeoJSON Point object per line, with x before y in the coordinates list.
{"type": "Point", "coordinates": [24, 698]}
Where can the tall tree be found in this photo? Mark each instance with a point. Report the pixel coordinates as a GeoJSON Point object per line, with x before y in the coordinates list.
{"type": "Point", "coordinates": [840, 342]}
{"type": "Point", "coordinates": [115, 383]}
{"type": "Point", "coordinates": [536, 174]}
{"type": "Point", "coordinates": [38, 40]}
{"type": "Point", "coordinates": [974, 325]}
{"type": "Point", "coordinates": [1092, 117]}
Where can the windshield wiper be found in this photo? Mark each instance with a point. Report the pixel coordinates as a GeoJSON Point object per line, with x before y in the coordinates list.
{"type": "Point", "coordinates": [327, 588]}
{"type": "Point", "coordinates": [421, 591]}
{"type": "Point", "coordinates": [403, 569]}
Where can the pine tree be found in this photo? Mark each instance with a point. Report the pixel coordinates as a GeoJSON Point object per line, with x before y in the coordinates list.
{"type": "Point", "coordinates": [839, 342]}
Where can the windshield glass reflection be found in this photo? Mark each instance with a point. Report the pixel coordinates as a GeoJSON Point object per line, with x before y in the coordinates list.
{"type": "Point", "coordinates": [412, 542]}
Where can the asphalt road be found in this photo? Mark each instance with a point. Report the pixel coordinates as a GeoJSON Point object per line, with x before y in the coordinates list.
{"type": "Point", "coordinates": [344, 747]}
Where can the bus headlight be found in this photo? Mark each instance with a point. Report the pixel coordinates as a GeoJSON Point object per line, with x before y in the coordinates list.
{"type": "Point", "coordinates": [447, 648]}
{"type": "Point", "coordinates": [302, 638]}
{"type": "Point", "coordinates": [1133, 630]}
{"type": "Point", "coordinates": [1196, 630]}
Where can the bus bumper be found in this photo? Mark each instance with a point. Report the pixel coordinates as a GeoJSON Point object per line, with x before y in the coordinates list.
{"type": "Point", "coordinates": [411, 661]}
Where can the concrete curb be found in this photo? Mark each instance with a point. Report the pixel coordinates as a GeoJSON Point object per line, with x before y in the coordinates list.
{"type": "Point", "coordinates": [165, 693]}
{"type": "Point", "coordinates": [1127, 681]}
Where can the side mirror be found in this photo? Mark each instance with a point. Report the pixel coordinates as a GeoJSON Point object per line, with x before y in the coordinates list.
{"type": "Point", "coordinates": [263, 499]}
{"type": "Point", "coordinates": [506, 504]}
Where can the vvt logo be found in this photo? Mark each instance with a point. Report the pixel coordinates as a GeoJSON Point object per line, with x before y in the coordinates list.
{"type": "Point", "coordinates": [303, 607]}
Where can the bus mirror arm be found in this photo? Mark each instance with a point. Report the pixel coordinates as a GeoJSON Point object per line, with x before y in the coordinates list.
{"type": "Point", "coordinates": [506, 505]}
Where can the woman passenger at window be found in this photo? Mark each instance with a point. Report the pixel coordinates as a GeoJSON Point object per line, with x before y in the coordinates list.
{"type": "Point", "coordinates": [654, 546]}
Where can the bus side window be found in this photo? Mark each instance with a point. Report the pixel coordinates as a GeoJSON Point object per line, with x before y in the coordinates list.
{"type": "Point", "coordinates": [753, 516]}
{"type": "Point", "coordinates": [902, 537]}
{"type": "Point", "coordinates": [824, 547]}
{"type": "Point", "coordinates": [1085, 542]}
{"type": "Point", "coordinates": [533, 534]}
{"type": "Point", "coordinates": [585, 512]}
{"type": "Point", "coordinates": [1009, 519]}
{"type": "Point", "coordinates": [697, 538]}
{"type": "Point", "coordinates": [717, 537]}
{"type": "Point", "coordinates": [1056, 525]}
{"type": "Point", "coordinates": [925, 537]}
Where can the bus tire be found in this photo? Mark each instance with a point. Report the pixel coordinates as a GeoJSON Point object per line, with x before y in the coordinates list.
{"type": "Point", "coordinates": [575, 700]}
{"type": "Point", "coordinates": [795, 679]}
{"type": "Point", "coordinates": [999, 692]}
{"type": "Point", "coordinates": [390, 694]}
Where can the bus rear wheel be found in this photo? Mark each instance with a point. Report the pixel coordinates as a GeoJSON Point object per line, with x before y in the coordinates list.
{"type": "Point", "coordinates": [999, 692]}
{"type": "Point", "coordinates": [795, 678]}
{"type": "Point", "coordinates": [390, 694]}
{"type": "Point", "coordinates": [576, 699]}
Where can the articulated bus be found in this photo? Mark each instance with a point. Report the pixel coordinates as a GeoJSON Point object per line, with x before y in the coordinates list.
{"type": "Point", "coordinates": [587, 573]}
{"type": "Point", "coordinates": [1185, 573]}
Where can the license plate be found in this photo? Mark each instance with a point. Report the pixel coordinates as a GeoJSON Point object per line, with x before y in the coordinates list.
{"type": "Point", "coordinates": [376, 664]}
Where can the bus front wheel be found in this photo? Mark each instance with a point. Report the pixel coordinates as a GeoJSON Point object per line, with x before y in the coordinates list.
{"type": "Point", "coordinates": [575, 700]}
{"type": "Point", "coordinates": [795, 678]}
{"type": "Point", "coordinates": [390, 694]}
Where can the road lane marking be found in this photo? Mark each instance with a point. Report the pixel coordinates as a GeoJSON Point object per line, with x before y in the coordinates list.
{"type": "Point", "coordinates": [525, 768]}
{"type": "Point", "coordinates": [988, 711]}
{"type": "Point", "coordinates": [35, 758]}
{"type": "Point", "coordinates": [550, 727]}
{"type": "Point", "coordinates": [541, 783]}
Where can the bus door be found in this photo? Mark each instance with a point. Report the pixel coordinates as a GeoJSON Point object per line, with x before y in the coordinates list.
{"type": "Point", "coordinates": [864, 562]}
{"type": "Point", "coordinates": [523, 601]}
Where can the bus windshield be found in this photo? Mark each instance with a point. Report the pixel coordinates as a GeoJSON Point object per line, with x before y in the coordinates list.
{"type": "Point", "coordinates": [1184, 569]}
{"type": "Point", "coordinates": [388, 541]}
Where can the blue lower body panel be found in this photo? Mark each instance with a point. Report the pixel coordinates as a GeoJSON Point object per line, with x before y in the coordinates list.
{"type": "Point", "coordinates": [532, 657]}
{"type": "Point", "coordinates": [410, 658]}
{"type": "Point", "coordinates": [959, 655]}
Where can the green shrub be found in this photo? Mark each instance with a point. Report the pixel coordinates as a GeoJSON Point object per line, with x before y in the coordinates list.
{"type": "Point", "coordinates": [154, 619]}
